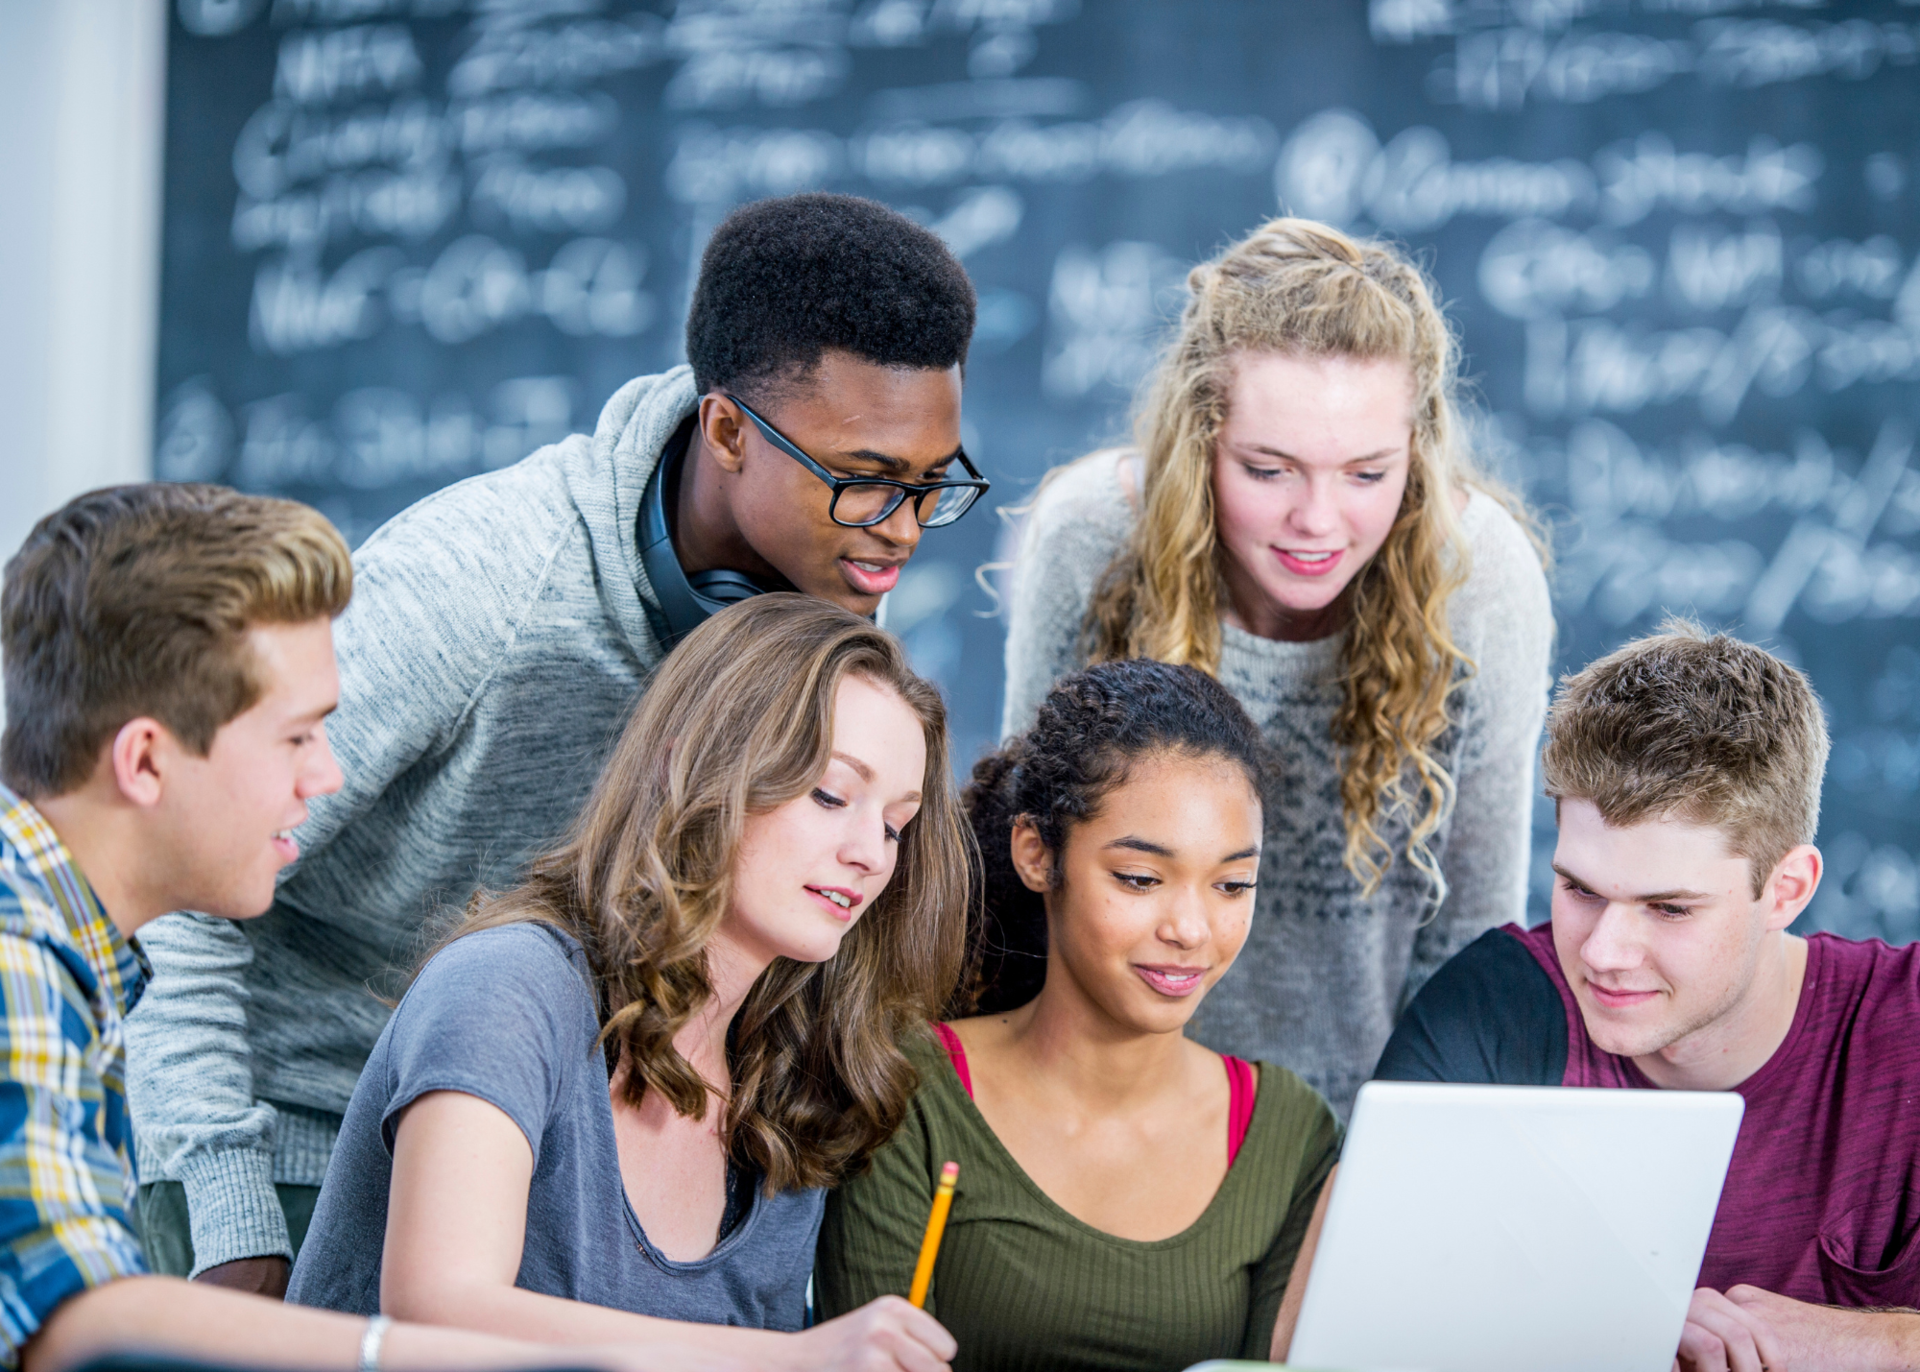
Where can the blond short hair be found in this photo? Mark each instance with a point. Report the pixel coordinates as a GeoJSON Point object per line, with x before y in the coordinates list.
{"type": "Point", "coordinates": [136, 600]}
{"type": "Point", "coordinates": [1697, 727]}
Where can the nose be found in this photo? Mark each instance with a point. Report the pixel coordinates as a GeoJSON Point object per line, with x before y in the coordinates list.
{"type": "Point", "coordinates": [901, 528]}
{"type": "Point", "coordinates": [321, 776]}
{"type": "Point", "coordinates": [1612, 945]}
{"type": "Point", "coordinates": [1185, 923]}
{"type": "Point", "coordinates": [1314, 515]}
{"type": "Point", "coordinates": [865, 844]}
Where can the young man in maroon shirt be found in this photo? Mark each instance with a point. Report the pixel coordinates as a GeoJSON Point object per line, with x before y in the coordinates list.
{"type": "Point", "coordinates": [1686, 771]}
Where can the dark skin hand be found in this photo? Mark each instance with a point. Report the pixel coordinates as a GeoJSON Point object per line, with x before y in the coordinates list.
{"type": "Point", "coordinates": [746, 506]}
{"type": "Point", "coordinates": [261, 1276]}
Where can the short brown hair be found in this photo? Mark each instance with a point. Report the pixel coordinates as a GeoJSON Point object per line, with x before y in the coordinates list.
{"type": "Point", "coordinates": [136, 600]}
{"type": "Point", "coordinates": [739, 720]}
{"type": "Point", "coordinates": [1697, 727]}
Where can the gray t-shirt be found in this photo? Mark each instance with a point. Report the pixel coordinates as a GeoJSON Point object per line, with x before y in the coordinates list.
{"type": "Point", "coordinates": [506, 1014]}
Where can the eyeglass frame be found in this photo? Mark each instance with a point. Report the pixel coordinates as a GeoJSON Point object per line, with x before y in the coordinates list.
{"type": "Point", "coordinates": [979, 485]}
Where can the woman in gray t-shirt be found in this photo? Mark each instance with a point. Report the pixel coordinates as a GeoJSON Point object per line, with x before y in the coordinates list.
{"type": "Point", "coordinates": [606, 1109]}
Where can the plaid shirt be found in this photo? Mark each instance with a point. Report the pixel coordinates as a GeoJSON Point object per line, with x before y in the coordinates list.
{"type": "Point", "coordinates": [68, 977]}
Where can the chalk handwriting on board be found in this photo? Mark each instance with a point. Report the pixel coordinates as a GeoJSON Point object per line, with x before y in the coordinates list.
{"type": "Point", "coordinates": [412, 240]}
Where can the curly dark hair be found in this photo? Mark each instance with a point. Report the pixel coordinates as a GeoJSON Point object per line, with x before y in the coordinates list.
{"type": "Point", "coordinates": [1092, 727]}
{"type": "Point", "coordinates": [782, 280]}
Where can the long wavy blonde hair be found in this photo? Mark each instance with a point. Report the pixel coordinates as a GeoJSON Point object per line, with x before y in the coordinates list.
{"type": "Point", "coordinates": [739, 720]}
{"type": "Point", "coordinates": [1302, 289]}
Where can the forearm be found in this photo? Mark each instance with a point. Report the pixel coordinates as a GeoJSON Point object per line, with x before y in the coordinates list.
{"type": "Point", "coordinates": [1767, 1330]}
{"type": "Point", "coordinates": [1838, 1340]}
{"type": "Point", "coordinates": [173, 1318]}
{"type": "Point", "coordinates": [1894, 1343]}
{"type": "Point", "coordinates": [190, 1088]}
{"type": "Point", "coordinates": [512, 1312]}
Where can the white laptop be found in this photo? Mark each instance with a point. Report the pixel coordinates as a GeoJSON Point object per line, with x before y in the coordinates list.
{"type": "Point", "coordinates": [1515, 1228]}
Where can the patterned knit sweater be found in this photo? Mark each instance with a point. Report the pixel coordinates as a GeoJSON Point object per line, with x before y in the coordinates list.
{"type": "Point", "coordinates": [1326, 970]}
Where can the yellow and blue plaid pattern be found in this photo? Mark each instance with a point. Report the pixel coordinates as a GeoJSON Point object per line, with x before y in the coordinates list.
{"type": "Point", "coordinates": [67, 980]}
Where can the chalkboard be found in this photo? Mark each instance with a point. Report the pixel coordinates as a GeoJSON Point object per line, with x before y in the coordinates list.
{"type": "Point", "coordinates": [411, 240]}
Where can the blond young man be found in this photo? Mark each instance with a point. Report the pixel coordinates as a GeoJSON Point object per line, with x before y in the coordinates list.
{"type": "Point", "coordinates": [1686, 770]}
{"type": "Point", "coordinates": [169, 666]}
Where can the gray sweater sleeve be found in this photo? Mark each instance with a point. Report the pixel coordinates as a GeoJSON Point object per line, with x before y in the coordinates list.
{"type": "Point", "coordinates": [408, 669]}
{"type": "Point", "coordinates": [1503, 619]}
{"type": "Point", "coordinates": [1074, 527]}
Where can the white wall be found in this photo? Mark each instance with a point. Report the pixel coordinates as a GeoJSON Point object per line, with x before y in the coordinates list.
{"type": "Point", "coordinates": [82, 85]}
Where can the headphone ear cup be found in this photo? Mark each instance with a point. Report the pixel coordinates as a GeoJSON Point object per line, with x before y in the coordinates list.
{"type": "Point", "coordinates": [684, 602]}
{"type": "Point", "coordinates": [723, 587]}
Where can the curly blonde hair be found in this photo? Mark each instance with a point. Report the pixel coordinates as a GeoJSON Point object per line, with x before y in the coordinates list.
{"type": "Point", "coordinates": [1302, 289]}
{"type": "Point", "coordinates": [739, 720]}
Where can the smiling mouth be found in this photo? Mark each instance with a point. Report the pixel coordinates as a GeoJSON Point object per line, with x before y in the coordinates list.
{"type": "Point", "coordinates": [870, 577]}
{"type": "Point", "coordinates": [1174, 982]}
{"type": "Point", "coordinates": [838, 897]}
{"type": "Point", "coordinates": [1310, 562]}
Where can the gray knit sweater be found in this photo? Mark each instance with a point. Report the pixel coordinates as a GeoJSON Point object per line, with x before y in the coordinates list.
{"type": "Point", "coordinates": [1326, 970]}
{"type": "Point", "coordinates": [494, 647]}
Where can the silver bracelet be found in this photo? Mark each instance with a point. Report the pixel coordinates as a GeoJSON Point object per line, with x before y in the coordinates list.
{"type": "Point", "coordinates": [370, 1341]}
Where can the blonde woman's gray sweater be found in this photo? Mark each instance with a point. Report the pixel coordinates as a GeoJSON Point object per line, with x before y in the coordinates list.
{"type": "Point", "coordinates": [1326, 969]}
{"type": "Point", "coordinates": [496, 642]}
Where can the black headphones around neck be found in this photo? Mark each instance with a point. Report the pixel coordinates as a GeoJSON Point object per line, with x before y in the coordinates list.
{"type": "Point", "coordinates": [685, 601]}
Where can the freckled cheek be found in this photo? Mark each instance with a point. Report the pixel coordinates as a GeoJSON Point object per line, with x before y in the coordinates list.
{"type": "Point", "coordinates": [1230, 933]}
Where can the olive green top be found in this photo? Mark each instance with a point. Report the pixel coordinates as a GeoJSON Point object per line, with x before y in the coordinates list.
{"type": "Point", "coordinates": [1023, 1284]}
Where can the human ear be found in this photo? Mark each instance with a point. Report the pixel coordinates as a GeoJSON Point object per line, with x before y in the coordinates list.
{"type": "Point", "coordinates": [136, 760]}
{"type": "Point", "coordinates": [1030, 856]}
{"type": "Point", "coordinates": [1794, 880]}
{"type": "Point", "coordinates": [724, 429]}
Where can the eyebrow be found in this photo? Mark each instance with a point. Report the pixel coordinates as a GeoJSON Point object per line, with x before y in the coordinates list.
{"type": "Point", "coordinates": [1382, 454]}
{"type": "Point", "coordinates": [1133, 843]}
{"type": "Point", "coordinates": [1650, 898]}
{"type": "Point", "coordinates": [887, 462]}
{"type": "Point", "coordinates": [1141, 845]}
{"type": "Point", "coordinates": [866, 773]}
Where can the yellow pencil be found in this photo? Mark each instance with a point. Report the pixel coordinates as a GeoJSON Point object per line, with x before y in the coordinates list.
{"type": "Point", "coordinates": [936, 1226]}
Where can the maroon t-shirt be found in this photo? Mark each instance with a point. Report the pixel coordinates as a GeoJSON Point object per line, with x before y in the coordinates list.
{"type": "Point", "coordinates": [1822, 1199]}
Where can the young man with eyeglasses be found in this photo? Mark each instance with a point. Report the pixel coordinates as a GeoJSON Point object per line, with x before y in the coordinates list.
{"type": "Point", "coordinates": [499, 633]}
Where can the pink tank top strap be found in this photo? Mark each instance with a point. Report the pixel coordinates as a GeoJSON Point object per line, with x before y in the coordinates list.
{"type": "Point", "coordinates": [1241, 1088]}
{"type": "Point", "coordinates": [958, 1054]}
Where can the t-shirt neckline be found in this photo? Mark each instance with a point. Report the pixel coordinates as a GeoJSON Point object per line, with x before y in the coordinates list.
{"type": "Point", "coordinates": [950, 1082]}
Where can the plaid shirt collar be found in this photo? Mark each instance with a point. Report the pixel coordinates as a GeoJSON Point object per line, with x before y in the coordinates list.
{"type": "Point", "coordinates": [72, 916]}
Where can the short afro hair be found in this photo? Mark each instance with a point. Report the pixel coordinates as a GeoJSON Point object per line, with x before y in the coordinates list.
{"type": "Point", "coordinates": [783, 280]}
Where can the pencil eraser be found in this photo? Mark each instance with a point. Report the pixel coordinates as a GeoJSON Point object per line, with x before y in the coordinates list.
{"type": "Point", "coordinates": [950, 1173]}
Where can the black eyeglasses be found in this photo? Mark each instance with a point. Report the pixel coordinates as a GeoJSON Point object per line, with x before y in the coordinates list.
{"type": "Point", "coordinates": [859, 502]}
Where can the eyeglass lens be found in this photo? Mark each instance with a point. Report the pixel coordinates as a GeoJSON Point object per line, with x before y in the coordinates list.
{"type": "Point", "coordinates": [861, 503]}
